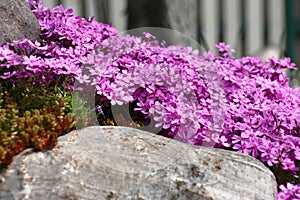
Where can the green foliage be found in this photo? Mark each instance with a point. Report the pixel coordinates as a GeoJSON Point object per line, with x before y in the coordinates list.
{"type": "Point", "coordinates": [33, 119]}
{"type": "Point", "coordinates": [83, 112]}
{"type": "Point", "coordinates": [30, 97]}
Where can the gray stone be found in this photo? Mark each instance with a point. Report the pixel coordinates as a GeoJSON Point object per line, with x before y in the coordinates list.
{"type": "Point", "coordinates": [17, 21]}
{"type": "Point", "coordinates": [126, 163]}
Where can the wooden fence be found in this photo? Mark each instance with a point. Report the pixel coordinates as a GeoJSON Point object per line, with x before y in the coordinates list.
{"type": "Point", "coordinates": [248, 25]}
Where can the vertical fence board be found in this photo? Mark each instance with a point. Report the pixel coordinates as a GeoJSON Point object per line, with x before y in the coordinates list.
{"type": "Point", "coordinates": [275, 21]}
{"type": "Point", "coordinates": [117, 14]}
{"type": "Point", "coordinates": [209, 21]}
{"type": "Point", "coordinates": [50, 3]}
{"type": "Point", "coordinates": [91, 9]}
{"type": "Point", "coordinates": [254, 26]}
{"type": "Point", "coordinates": [232, 23]}
{"type": "Point", "coordinates": [75, 5]}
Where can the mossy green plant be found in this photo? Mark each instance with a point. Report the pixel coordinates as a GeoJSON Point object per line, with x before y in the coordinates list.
{"type": "Point", "coordinates": [36, 128]}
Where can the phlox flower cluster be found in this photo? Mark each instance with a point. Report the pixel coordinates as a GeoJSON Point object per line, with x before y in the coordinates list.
{"type": "Point", "coordinates": [290, 191]}
{"type": "Point", "coordinates": [243, 104]}
{"type": "Point", "coordinates": [174, 86]}
{"type": "Point", "coordinates": [65, 40]}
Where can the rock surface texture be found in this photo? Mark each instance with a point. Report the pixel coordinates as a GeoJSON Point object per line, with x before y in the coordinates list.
{"type": "Point", "coordinates": [126, 163]}
{"type": "Point", "coordinates": [17, 21]}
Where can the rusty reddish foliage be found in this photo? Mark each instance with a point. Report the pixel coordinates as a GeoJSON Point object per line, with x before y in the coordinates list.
{"type": "Point", "coordinates": [37, 129]}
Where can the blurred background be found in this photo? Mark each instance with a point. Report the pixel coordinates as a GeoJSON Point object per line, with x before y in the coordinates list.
{"type": "Point", "coordinates": [262, 28]}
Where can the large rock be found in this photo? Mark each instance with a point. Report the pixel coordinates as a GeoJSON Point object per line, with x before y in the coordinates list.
{"type": "Point", "coordinates": [124, 163]}
{"type": "Point", "coordinates": [17, 21]}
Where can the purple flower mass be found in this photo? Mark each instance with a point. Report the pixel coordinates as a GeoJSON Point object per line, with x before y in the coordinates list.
{"type": "Point", "coordinates": [243, 104]}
